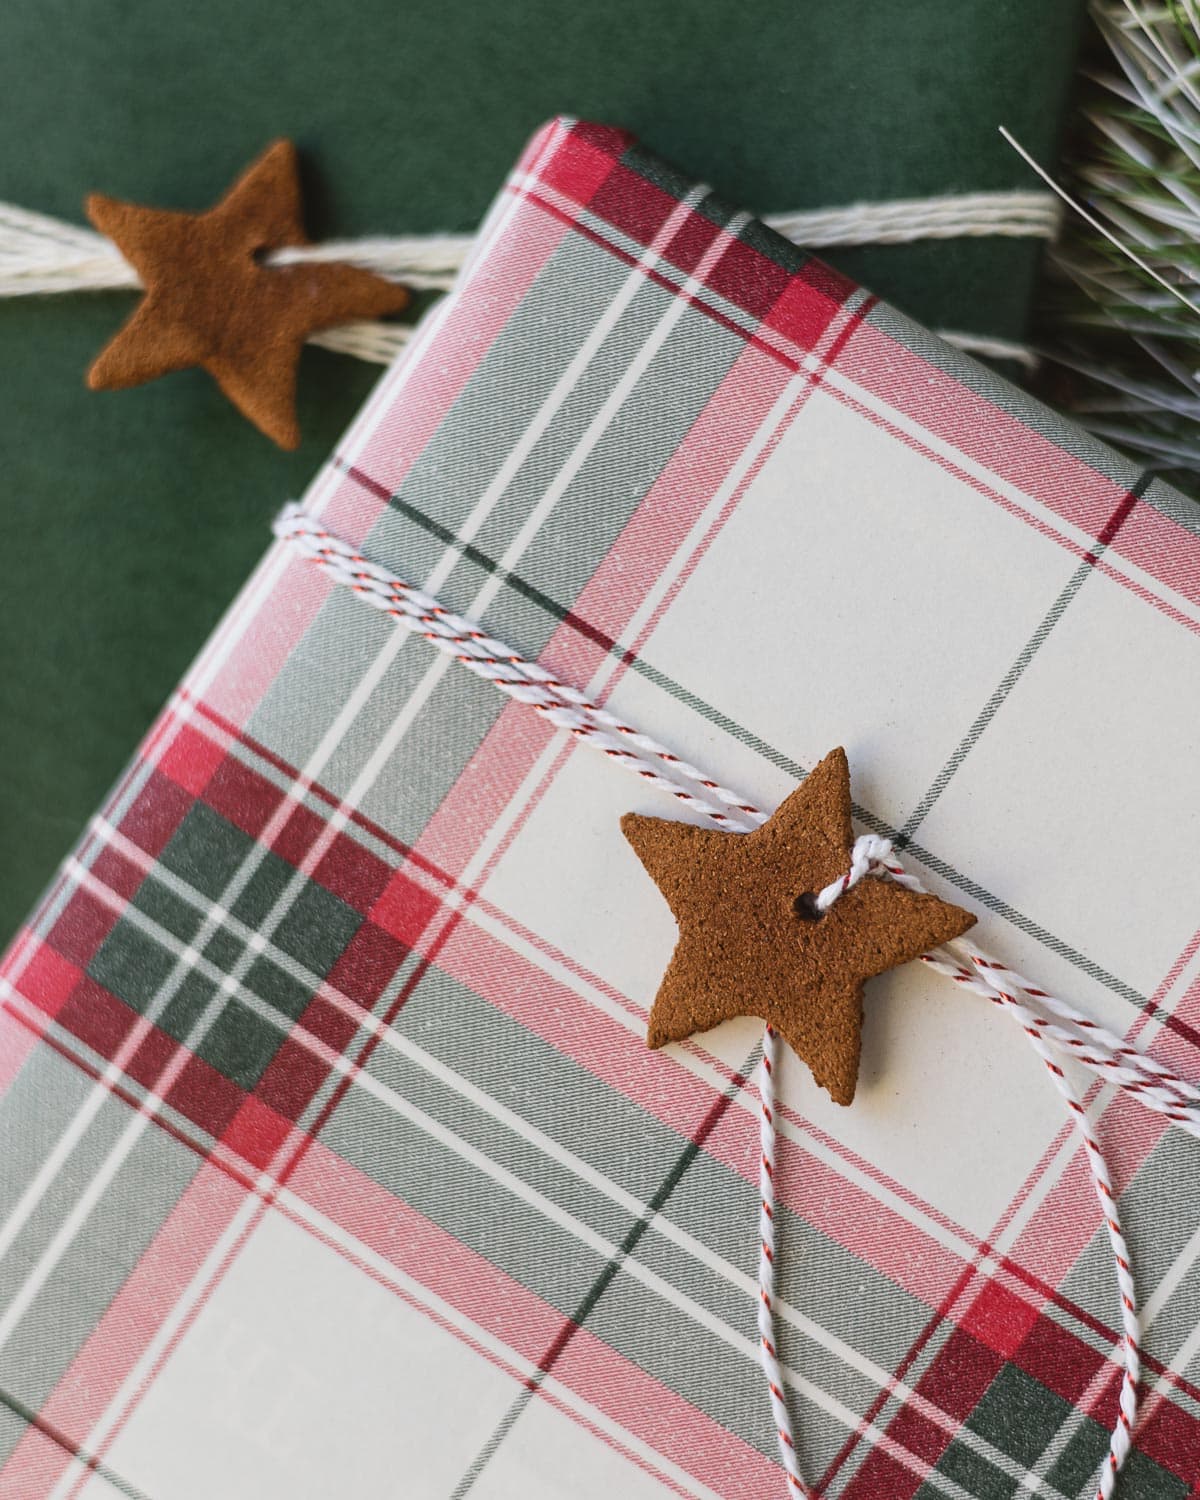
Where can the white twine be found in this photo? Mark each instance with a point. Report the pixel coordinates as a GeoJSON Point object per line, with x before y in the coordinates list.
{"type": "Point", "coordinates": [899, 221]}
{"type": "Point", "coordinates": [1050, 1024]}
{"type": "Point", "coordinates": [983, 347]}
{"type": "Point", "coordinates": [379, 343]}
{"type": "Point", "coordinates": [44, 256]}
{"type": "Point", "coordinates": [40, 254]}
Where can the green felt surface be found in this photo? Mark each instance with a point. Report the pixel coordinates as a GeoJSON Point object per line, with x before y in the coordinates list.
{"type": "Point", "coordinates": [131, 518]}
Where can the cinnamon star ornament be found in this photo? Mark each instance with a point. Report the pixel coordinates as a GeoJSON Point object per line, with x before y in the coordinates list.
{"type": "Point", "coordinates": [750, 942]}
{"type": "Point", "coordinates": [212, 301]}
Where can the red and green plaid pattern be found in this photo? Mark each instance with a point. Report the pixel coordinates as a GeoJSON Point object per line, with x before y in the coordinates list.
{"type": "Point", "coordinates": [334, 1159]}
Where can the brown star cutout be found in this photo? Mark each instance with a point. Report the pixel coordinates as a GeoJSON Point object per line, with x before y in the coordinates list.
{"type": "Point", "coordinates": [749, 943]}
{"type": "Point", "coordinates": [211, 301]}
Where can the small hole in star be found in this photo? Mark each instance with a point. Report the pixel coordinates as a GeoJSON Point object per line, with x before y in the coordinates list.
{"type": "Point", "coordinates": [259, 254]}
{"type": "Point", "coordinates": [806, 908]}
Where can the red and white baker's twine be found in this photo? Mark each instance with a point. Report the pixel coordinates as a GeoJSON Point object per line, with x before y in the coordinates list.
{"type": "Point", "coordinates": [1051, 1025]}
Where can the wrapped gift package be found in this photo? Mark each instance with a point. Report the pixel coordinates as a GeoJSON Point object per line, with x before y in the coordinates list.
{"type": "Point", "coordinates": [335, 1160]}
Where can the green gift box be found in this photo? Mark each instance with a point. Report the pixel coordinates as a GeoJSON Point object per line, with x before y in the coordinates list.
{"type": "Point", "coordinates": [135, 516]}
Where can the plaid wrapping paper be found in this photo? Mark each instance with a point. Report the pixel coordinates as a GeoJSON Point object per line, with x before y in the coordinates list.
{"type": "Point", "coordinates": [334, 1161]}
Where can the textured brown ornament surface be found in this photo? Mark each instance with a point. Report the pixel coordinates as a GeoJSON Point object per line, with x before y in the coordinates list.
{"type": "Point", "coordinates": [210, 301]}
{"type": "Point", "coordinates": [744, 948]}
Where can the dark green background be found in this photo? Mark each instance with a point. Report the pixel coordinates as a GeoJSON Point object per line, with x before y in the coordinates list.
{"type": "Point", "coordinates": [131, 518]}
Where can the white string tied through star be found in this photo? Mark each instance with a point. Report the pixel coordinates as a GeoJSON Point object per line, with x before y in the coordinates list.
{"type": "Point", "coordinates": [44, 256]}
